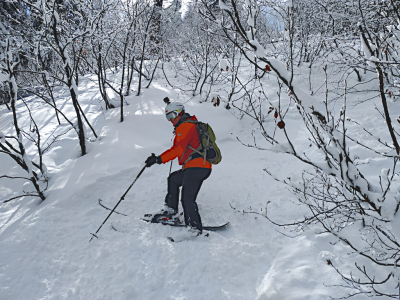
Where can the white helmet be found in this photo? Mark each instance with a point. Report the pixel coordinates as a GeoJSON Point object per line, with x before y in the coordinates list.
{"type": "Point", "coordinates": [173, 109]}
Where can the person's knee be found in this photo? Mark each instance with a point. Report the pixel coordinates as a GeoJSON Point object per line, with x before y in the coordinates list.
{"type": "Point", "coordinates": [175, 178]}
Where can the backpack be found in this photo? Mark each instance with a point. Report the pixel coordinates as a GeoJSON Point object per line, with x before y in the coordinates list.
{"type": "Point", "coordinates": [207, 143]}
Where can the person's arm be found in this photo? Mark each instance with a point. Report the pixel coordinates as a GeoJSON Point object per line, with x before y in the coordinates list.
{"type": "Point", "coordinates": [183, 135]}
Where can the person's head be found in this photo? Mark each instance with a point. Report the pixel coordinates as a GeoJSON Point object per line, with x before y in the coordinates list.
{"type": "Point", "coordinates": [173, 111]}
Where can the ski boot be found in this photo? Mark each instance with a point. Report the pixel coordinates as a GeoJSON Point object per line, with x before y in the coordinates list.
{"type": "Point", "coordinates": [165, 215]}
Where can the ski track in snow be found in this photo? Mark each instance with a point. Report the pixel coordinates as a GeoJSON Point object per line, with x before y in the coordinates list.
{"type": "Point", "coordinates": [45, 251]}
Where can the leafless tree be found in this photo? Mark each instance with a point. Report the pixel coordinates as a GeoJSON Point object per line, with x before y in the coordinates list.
{"type": "Point", "coordinates": [341, 199]}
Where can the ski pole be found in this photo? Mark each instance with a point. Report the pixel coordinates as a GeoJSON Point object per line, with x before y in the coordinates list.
{"type": "Point", "coordinates": [122, 198]}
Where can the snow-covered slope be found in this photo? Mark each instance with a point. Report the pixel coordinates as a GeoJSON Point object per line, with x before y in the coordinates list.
{"type": "Point", "coordinates": [44, 247]}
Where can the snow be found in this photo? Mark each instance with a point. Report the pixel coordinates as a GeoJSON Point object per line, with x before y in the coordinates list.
{"type": "Point", "coordinates": [44, 246]}
{"type": "Point", "coordinates": [389, 207]}
{"type": "Point", "coordinates": [56, 16]}
{"type": "Point", "coordinates": [249, 34]}
{"type": "Point", "coordinates": [291, 268]}
{"type": "Point", "coordinates": [223, 64]}
{"type": "Point", "coordinates": [223, 6]}
{"type": "Point", "coordinates": [250, 55]}
{"type": "Point", "coordinates": [14, 86]}
{"type": "Point", "coordinates": [38, 4]}
{"type": "Point", "coordinates": [281, 148]}
{"type": "Point", "coordinates": [251, 21]}
{"type": "Point", "coordinates": [365, 49]}
{"type": "Point", "coordinates": [260, 51]}
{"type": "Point", "coordinates": [44, 170]}
{"type": "Point", "coordinates": [4, 77]}
{"type": "Point", "coordinates": [396, 228]}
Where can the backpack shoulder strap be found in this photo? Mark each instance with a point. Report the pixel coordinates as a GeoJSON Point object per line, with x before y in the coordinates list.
{"type": "Point", "coordinates": [198, 151]}
{"type": "Point", "coordinates": [191, 121]}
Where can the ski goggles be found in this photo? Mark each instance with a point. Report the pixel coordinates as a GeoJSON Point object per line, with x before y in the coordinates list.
{"type": "Point", "coordinates": [171, 115]}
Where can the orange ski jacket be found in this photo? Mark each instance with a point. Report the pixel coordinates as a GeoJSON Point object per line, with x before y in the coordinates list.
{"type": "Point", "coordinates": [185, 135]}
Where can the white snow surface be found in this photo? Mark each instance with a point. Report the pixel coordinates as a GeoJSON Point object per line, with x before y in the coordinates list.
{"type": "Point", "coordinates": [223, 64]}
{"type": "Point", "coordinates": [4, 77]}
{"type": "Point", "coordinates": [223, 6]}
{"type": "Point", "coordinates": [44, 246]}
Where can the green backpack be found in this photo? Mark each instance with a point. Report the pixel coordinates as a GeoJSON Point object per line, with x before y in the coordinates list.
{"type": "Point", "coordinates": [207, 144]}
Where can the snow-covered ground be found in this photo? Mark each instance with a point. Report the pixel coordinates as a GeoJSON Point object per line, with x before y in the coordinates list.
{"type": "Point", "coordinates": [44, 247]}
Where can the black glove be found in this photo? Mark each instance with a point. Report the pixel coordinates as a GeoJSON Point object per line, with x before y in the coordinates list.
{"type": "Point", "coordinates": [152, 159]}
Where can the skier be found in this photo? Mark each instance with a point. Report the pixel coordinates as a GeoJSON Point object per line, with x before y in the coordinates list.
{"type": "Point", "coordinates": [195, 169]}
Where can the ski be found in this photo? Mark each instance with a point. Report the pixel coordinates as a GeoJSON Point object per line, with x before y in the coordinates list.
{"type": "Point", "coordinates": [207, 228]}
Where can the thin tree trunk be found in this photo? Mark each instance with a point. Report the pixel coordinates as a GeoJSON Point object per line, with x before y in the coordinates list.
{"type": "Point", "coordinates": [142, 58]}
{"type": "Point", "coordinates": [87, 121]}
{"type": "Point", "coordinates": [152, 75]}
{"type": "Point", "coordinates": [101, 79]}
{"type": "Point", "coordinates": [71, 87]}
{"type": "Point", "coordinates": [52, 97]}
{"type": "Point", "coordinates": [140, 68]}
{"type": "Point", "coordinates": [5, 102]}
{"type": "Point", "coordinates": [23, 164]}
{"type": "Point", "coordinates": [130, 77]}
{"type": "Point", "coordinates": [386, 110]}
{"type": "Point", "coordinates": [81, 132]}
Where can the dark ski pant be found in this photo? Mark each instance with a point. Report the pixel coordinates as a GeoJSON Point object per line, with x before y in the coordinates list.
{"type": "Point", "coordinates": [190, 180]}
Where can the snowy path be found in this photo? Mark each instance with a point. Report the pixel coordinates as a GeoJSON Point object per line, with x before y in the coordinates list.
{"type": "Point", "coordinates": [44, 250]}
